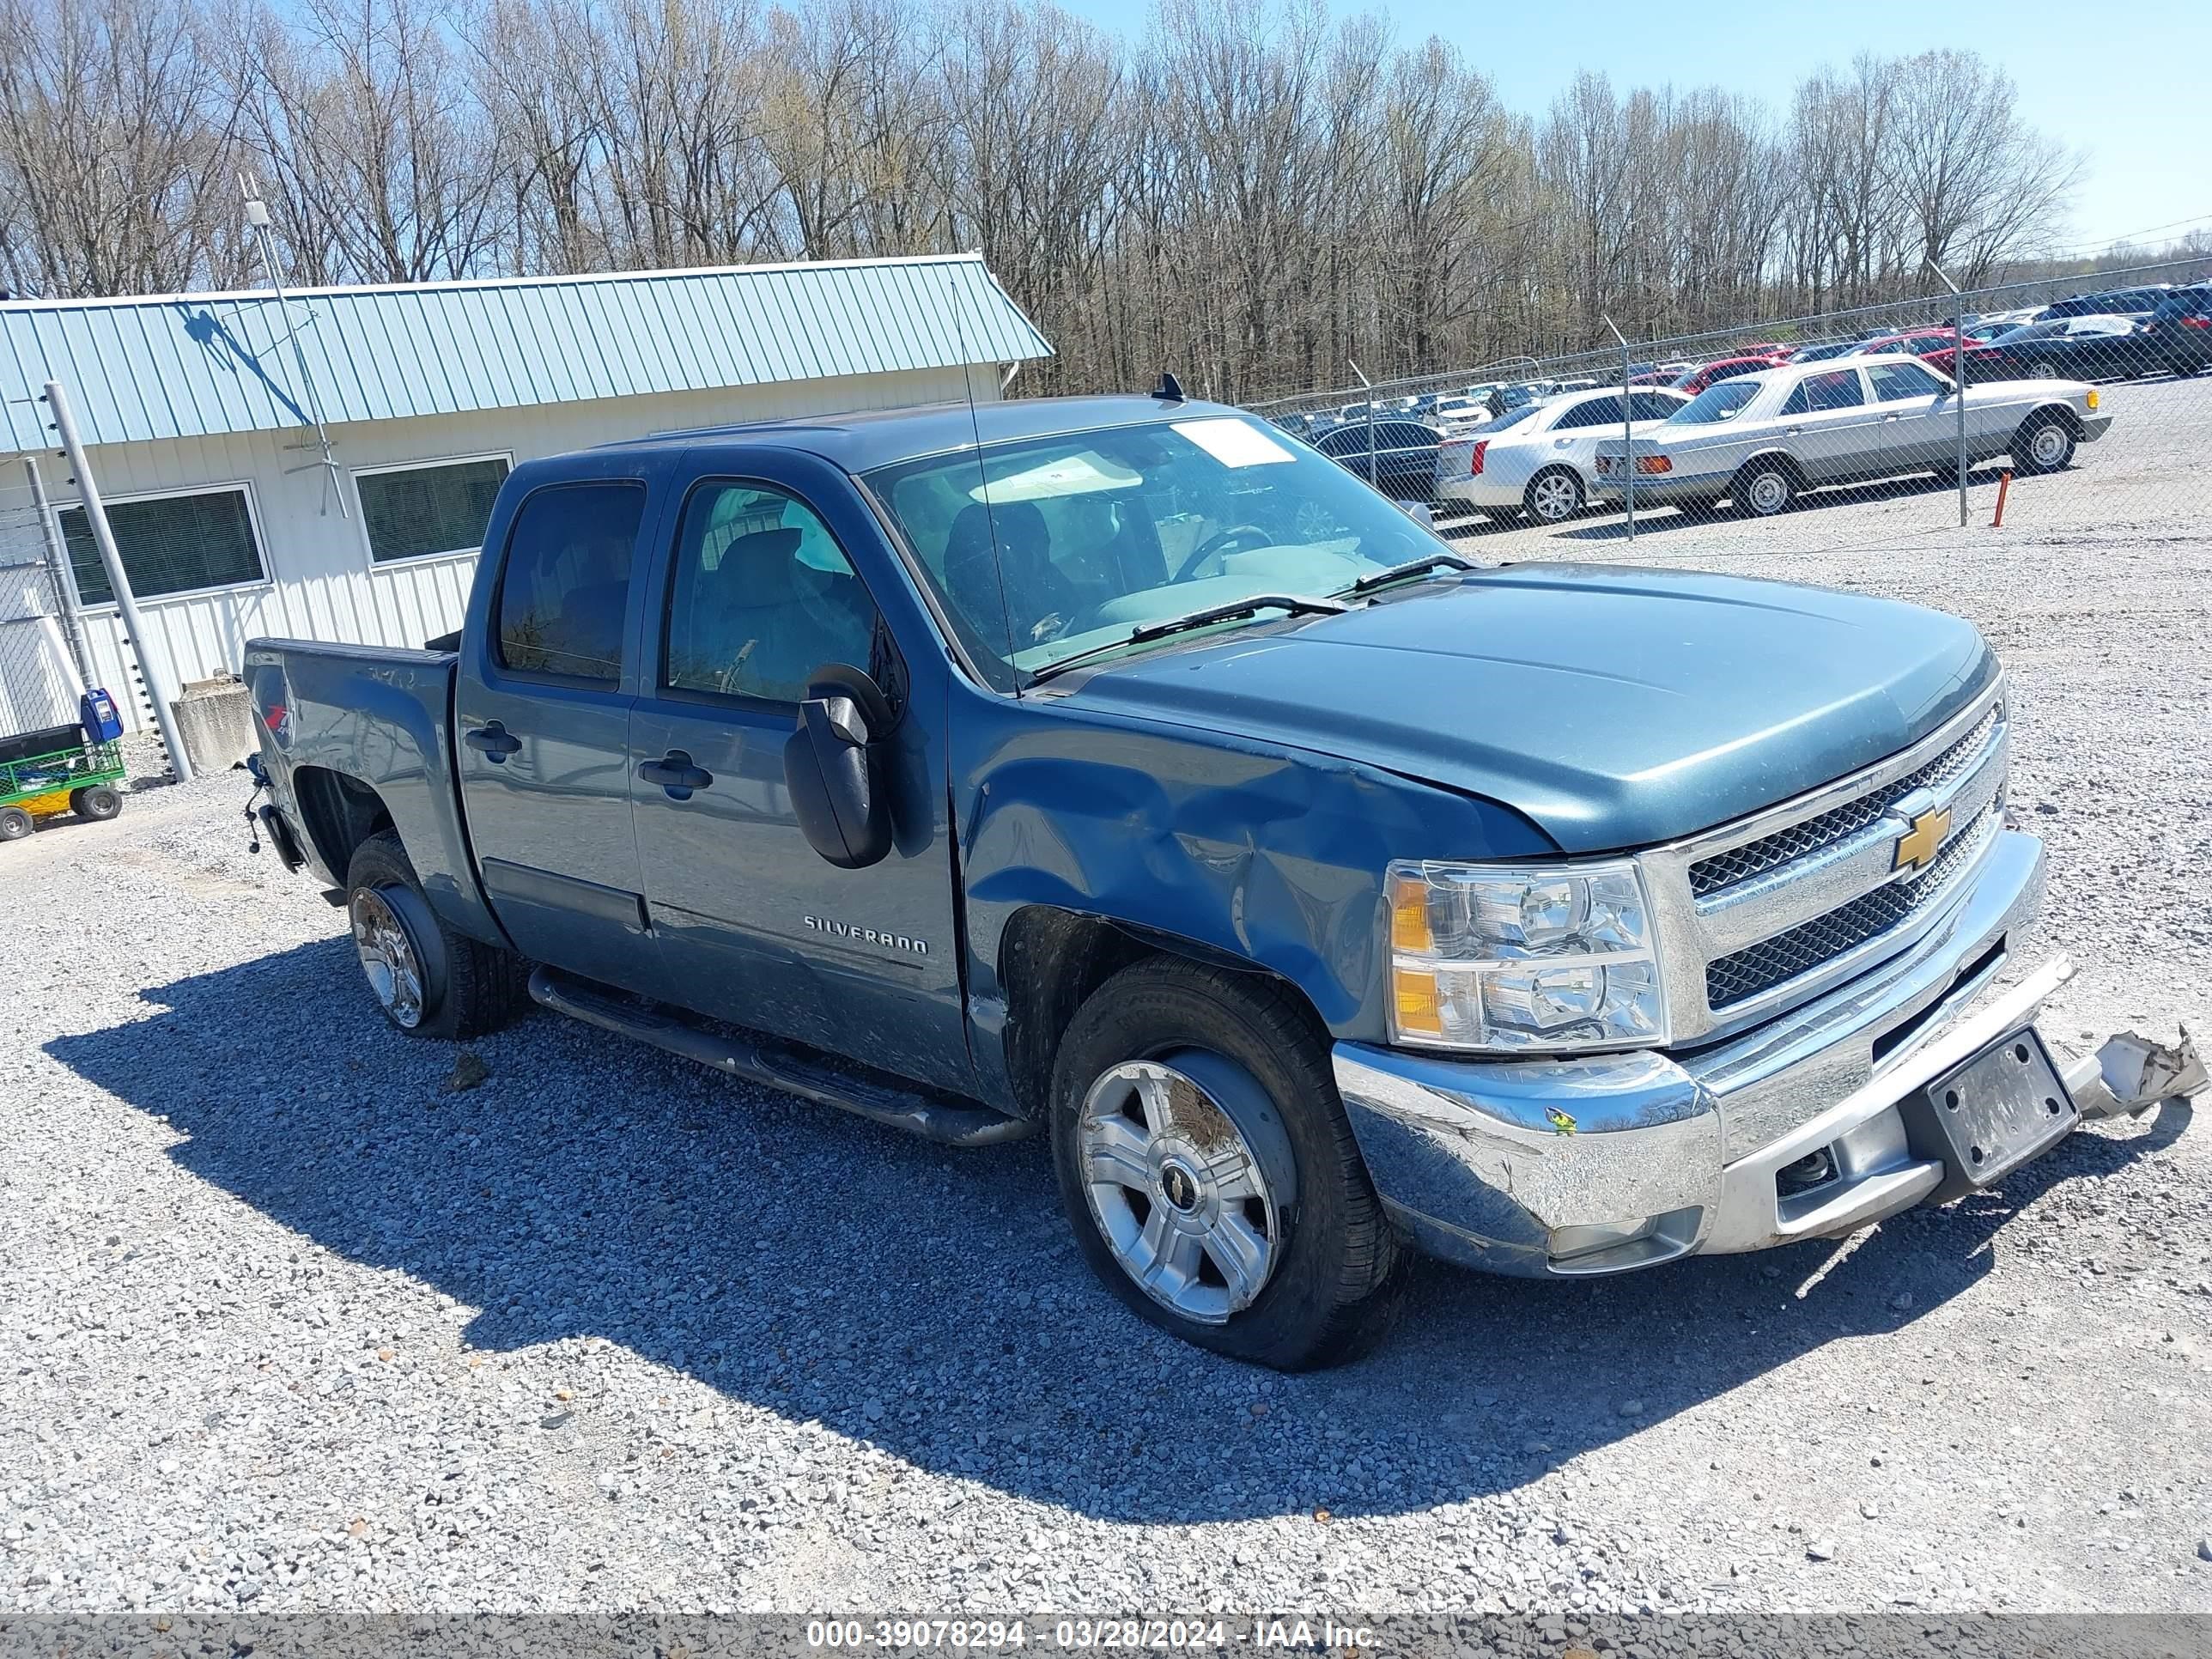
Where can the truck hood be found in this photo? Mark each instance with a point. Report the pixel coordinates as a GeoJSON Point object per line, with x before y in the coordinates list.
{"type": "Point", "coordinates": [1615, 708]}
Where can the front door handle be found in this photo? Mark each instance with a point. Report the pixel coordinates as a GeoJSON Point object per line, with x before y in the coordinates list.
{"type": "Point", "coordinates": [1893, 417]}
{"type": "Point", "coordinates": [494, 742]}
{"type": "Point", "coordinates": [675, 772]}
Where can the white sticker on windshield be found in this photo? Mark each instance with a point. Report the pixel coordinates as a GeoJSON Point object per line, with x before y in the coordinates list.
{"type": "Point", "coordinates": [1233, 442]}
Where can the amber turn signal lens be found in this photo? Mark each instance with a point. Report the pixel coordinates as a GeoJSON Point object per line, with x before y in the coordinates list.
{"type": "Point", "coordinates": [1420, 1004]}
{"type": "Point", "coordinates": [1654, 463]}
{"type": "Point", "coordinates": [1409, 916]}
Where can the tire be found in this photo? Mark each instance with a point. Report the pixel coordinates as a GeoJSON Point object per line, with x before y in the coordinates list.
{"type": "Point", "coordinates": [1183, 1056]}
{"type": "Point", "coordinates": [15, 824]}
{"type": "Point", "coordinates": [96, 802]}
{"type": "Point", "coordinates": [1554, 495]}
{"type": "Point", "coordinates": [2043, 444]}
{"type": "Point", "coordinates": [430, 981]}
{"type": "Point", "coordinates": [1765, 490]}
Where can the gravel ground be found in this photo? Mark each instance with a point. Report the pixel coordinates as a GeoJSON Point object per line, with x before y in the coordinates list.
{"type": "Point", "coordinates": [291, 1322]}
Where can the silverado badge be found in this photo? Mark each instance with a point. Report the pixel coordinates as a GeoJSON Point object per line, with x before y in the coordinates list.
{"type": "Point", "coordinates": [1916, 846]}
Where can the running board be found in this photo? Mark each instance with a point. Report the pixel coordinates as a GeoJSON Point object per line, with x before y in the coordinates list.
{"type": "Point", "coordinates": [775, 1066]}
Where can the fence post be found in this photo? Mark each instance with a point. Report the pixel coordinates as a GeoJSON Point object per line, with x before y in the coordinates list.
{"type": "Point", "coordinates": [58, 575]}
{"type": "Point", "coordinates": [1372, 481]}
{"type": "Point", "coordinates": [1958, 375]}
{"type": "Point", "coordinates": [1627, 432]}
{"type": "Point", "coordinates": [134, 627]}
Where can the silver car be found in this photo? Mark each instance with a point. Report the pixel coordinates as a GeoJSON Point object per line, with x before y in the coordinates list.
{"type": "Point", "coordinates": [1762, 440]}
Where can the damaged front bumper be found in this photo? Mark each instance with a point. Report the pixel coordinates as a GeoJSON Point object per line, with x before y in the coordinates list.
{"type": "Point", "coordinates": [1811, 1126]}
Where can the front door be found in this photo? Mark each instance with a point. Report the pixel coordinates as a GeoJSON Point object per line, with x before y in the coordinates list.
{"type": "Point", "coordinates": [752, 925]}
{"type": "Point", "coordinates": [542, 720]}
{"type": "Point", "coordinates": [1911, 400]}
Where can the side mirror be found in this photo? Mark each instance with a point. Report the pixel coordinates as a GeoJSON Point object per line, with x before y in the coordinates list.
{"type": "Point", "coordinates": [833, 766]}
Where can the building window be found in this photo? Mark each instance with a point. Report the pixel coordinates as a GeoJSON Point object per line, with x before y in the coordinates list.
{"type": "Point", "coordinates": [420, 512]}
{"type": "Point", "coordinates": [169, 544]}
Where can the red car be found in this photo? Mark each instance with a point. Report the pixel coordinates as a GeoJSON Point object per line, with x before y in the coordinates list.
{"type": "Point", "coordinates": [1726, 369]}
{"type": "Point", "coordinates": [1918, 342]}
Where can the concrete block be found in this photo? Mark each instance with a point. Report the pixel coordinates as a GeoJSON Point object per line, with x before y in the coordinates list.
{"type": "Point", "coordinates": [215, 722]}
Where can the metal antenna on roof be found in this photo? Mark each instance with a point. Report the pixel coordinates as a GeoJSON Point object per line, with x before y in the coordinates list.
{"type": "Point", "coordinates": [256, 220]}
{"type": "Point", "coordinates": [990, 508]}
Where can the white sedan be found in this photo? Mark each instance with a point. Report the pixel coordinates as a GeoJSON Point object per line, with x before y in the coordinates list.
{"type": "Point", "coordinates": [1763, 440]}
{"type": "Point", "coordinates": [1540, 458]}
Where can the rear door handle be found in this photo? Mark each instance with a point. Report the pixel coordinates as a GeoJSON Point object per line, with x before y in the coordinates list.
{"type": "Point", "coordinates": [494, 742]}
{"type": "Point", "coordinates": [675, 772]}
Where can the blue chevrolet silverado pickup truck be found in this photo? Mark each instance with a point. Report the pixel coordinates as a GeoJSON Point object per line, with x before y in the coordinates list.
{"type": "Point", "coordinates": [1121, 768]}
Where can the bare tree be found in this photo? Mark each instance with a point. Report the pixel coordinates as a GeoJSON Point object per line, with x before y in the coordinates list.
{"type": "Point", "coordinates": [116, 129]}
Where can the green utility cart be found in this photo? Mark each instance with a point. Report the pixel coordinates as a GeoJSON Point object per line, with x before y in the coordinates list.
{"type": "Point", "coordinates": [45, 773]}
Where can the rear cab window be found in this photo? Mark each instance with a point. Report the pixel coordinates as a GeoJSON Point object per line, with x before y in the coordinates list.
{"type": "Point", "coordinates": [564, 600]}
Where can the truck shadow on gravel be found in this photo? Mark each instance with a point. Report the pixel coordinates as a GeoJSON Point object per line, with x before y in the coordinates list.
{"type": "Point", "coordinates": [930, 1301]}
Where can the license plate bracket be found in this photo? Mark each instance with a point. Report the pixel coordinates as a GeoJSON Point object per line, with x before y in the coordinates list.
{"type": "Point", "coordinates": [2000, 1108]}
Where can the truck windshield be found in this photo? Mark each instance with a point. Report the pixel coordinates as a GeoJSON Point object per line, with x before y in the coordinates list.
{"type": "Point", "coordinates": [1076, 539]}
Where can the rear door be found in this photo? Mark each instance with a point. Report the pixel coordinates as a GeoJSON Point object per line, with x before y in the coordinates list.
{"type": "Point", "coordinates": [760, 589]}
{"type": "Point", "coordinates": [542, 715]}
{"type": "Point", "coordinates": [1827, 425]}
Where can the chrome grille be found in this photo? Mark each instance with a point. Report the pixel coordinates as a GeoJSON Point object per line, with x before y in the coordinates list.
{"type": "Point", "coordinates": [1770, 962]}
{"type": "Point", "coordinates": [1740, 863]}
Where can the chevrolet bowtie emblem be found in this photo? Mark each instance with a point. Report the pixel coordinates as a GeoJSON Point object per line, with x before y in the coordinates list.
{"type": "Point", "coordinates": [1917, 846]}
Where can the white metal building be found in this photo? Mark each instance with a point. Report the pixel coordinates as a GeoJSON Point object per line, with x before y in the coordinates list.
{"type": "Point", "coordinates": [327, 474]}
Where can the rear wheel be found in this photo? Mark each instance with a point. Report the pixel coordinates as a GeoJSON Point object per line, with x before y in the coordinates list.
{"type": "Point", "coordinates": [15, 823]}
{"type": "Point", "coordinates": [2044, 444]}
{"type": "Point", "coordinates": [1554, 496]}
{"type": "Point", "coordinates": [97, 802]}
{"type": "Point", "coordinates": [1764, 489]}
{"type": "Point", "coordinates": [2043, 371]}
{"type": "Point", "coordinates": [1209, 1173]}
{"type": "Point", "coordinates": [428, 980]}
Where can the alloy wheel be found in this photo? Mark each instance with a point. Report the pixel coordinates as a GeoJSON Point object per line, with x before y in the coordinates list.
{"type": "Point", "coordinates": [1177, 1194]}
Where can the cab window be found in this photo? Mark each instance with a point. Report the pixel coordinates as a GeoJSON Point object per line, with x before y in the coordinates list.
{"type": "Point", "coordinates": [762, 597]}
{"type": "Point", "coordinates": [564, 586]}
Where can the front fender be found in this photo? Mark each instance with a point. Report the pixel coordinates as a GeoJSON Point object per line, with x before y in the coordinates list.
{"type": "Point", "coordinates": [1257, 854]}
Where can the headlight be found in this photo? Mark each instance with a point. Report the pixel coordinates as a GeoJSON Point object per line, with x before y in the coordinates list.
{"type": "Point", "coordinates": [1510, 956]}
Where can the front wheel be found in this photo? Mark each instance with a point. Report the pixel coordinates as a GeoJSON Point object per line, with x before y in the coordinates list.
{"type": "Point", "coordinates": [1209, 1173]}
{"type": "Point", "coordinates": [428, 980]}
{"type": "Point", "coordinates": [2043, 444]}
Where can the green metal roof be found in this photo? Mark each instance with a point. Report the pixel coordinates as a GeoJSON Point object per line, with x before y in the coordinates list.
{"type": "Point", "coordinates": [187, 366]}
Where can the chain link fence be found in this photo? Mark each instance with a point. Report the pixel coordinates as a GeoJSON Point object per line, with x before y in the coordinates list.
{"type": "Point", "coordinates": [40, 676]}
{"type": "Point", "coordinates": [2084, 407]}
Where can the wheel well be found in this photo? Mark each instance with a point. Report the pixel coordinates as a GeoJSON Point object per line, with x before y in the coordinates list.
{"type": "Point", "coordinates": [1050, 962]}
{"type": "Point", "coordinates": [1781, 458]}
{"type": "Point", "coordinates": [338, 813]}
{"type": "Point", "coordinates": [2067, 419]}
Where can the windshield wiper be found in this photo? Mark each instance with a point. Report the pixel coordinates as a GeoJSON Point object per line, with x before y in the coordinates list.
{"type": "Point", "coordinates": [1397, 573]}
{"type": "Point", "coordinates": [1228, 611]}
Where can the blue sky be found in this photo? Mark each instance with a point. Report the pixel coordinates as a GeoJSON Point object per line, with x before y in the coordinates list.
{"type": "Point", "coordinates": [2130, 83]}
